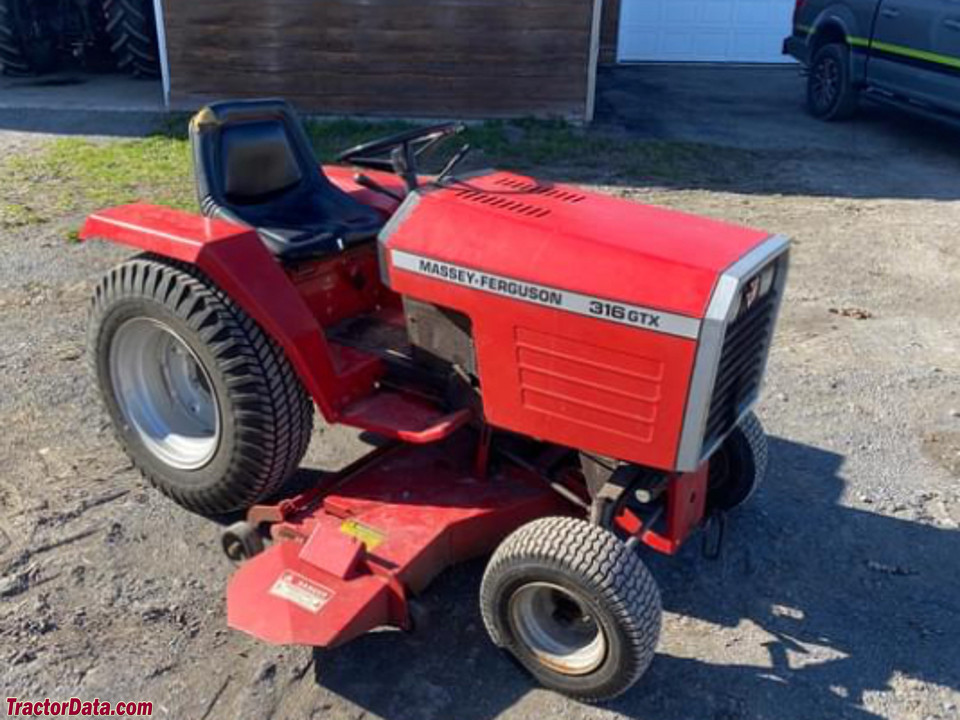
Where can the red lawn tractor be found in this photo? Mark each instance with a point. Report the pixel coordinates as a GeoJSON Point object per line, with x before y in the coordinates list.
{"type": "Point", "coordinates": [553, 375]}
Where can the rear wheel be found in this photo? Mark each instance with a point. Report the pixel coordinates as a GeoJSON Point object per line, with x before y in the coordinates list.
{"type": "Point", "coordinates": [574, 606]}
{"type": "Point", "coordinates": [27, 42]}
{"type": "Point", "coordinates": [203, 402]}
{"type": "Point", "coordinates": [830, 91]}
{"type": "Point", "coordinates": [132, 28]}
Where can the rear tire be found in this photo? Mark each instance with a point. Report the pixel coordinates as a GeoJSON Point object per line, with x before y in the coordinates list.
{"type": "Point", "coordinates": [132, 28]}
{"type": "Point", "coordinates": [831, 95]}
{"type": "Point", "coordinates": [27, 44]}
{"type": "Point", "coordinates": [575, 606]}
{"type": "Point", "coordinates": [202, 400]}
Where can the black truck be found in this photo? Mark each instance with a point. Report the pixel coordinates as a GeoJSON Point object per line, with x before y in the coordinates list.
{"type": "Point", "coordinates": [898, 52]}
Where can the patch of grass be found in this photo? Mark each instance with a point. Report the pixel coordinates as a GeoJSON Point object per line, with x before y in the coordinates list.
{"type": "Point", "coordinates": [14, 215]}
{"type": "Point", "coordinates": [74, 176]}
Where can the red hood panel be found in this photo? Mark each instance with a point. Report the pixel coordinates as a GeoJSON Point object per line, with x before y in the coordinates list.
{"type": "Point", "coordinates": [567, 238]}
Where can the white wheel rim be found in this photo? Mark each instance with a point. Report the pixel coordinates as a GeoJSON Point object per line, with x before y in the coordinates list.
{"type": "Point", "coordinates": [165, 393]}
{"type": "Point", "coordinates": [557, 626]}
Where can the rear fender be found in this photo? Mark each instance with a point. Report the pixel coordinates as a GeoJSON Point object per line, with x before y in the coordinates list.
{"type": "Point", "coordinates": [839, 22]}
{"type": "Point", "coordinates": [237, 261]}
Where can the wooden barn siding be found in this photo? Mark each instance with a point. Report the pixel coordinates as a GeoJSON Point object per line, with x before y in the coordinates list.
{"type": "Point", "coordinates": [441, 58]}
{"type": "Point", "coordinates": [609, 31]}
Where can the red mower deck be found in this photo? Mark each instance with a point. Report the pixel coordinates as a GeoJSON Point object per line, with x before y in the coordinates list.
{"type": "Point", "coordinates": [344, 564]}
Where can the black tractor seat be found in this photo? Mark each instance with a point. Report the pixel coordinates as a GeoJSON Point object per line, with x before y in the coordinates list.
{"type": "Point", "coordinates": [254, 166]}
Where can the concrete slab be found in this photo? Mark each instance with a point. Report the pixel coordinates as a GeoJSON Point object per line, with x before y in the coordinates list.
{"type": "Point", "coordinates": [77, 103]}
{"type": "Point", "coordinates": [81, 91]}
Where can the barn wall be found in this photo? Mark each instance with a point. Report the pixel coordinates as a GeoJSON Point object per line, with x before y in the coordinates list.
{"type": "Point", "coordinates": [440, 58]}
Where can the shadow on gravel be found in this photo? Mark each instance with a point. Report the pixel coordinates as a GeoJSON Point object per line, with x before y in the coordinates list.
{"type": "Point", "coordinates": [842, 602]}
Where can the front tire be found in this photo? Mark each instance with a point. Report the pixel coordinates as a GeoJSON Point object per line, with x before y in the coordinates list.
{"type": "Point", "coordinates": [575, 606]}
{"type": "Point", "coordinates": [738, 467]}
{"type": "Point", "coordinates": [831, 95]}
{"type": "Point", "coordinates": [202, 401]}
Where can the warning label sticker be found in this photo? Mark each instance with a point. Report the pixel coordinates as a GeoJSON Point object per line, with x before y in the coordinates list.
{"type": "Point", "coordinates": [301, 591]}
{"type": "Point", "coordinates": [370, 537]}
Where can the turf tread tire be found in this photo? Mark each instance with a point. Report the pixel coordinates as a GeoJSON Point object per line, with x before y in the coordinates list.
{"type": "Point", "coordinates": [131, 26]}
{"type": "Point", "coordinates": [272, 415]}
{"type": "Point", "coordinates": [749, 443]}
{"type": "Point", "coordinates": [595, 560]}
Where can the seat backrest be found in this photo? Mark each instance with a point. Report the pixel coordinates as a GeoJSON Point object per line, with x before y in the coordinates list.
{"type": "Point", "coordinates": [250, 153]}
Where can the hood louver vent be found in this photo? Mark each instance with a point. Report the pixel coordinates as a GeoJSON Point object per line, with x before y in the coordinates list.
{"type": "Point", "coordinates": [535, 188]}
{"type": "Point", "coordinates": [502, 202]}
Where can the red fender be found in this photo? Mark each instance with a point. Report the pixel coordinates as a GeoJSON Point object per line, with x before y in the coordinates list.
{"type": "Point", "coordinates": [238, 262]}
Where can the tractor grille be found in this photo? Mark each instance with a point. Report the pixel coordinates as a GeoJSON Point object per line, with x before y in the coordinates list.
{"type": "Point", "coordinates": [740, 371]}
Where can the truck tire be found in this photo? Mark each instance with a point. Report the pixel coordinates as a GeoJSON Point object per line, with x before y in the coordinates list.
{"type": "Point", "coordinates": [132, 29]}
{"type": "Point", "coordinates": [205, 404]}
{"type": "Point", "coordinates": [831, 95]}
{"type": "Point", "coordinates": [738, 467]}
{"type": "Point", "coordinates": [574, 606]}
{"type": "Point", "coordinates": [27, 44]}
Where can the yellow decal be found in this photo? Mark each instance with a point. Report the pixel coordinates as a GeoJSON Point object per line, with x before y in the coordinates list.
{"type": "Point", "coordinates": [370, 537]}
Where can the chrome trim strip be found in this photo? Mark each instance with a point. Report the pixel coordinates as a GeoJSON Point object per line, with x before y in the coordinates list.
{"type": "Point", "coordinates": [399, 216]}
{"type": "Point", "coordinates": [597, 308]}
{"type": "Point", "coordinates": [723, 306]}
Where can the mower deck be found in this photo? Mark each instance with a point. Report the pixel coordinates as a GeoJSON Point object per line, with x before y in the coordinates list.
{"type": "Point", "coordinates": [346, 552]}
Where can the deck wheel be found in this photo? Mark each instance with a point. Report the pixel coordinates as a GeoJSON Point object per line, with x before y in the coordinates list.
{"type": "Point", "coordinates": [241, 541]}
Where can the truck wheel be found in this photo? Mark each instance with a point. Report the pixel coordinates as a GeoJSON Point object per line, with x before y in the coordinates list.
{"type": "Point", "coordinates": [738, 467]}
{"type": "Point", "coordinates": [204, 403]}
{"type": "Point", "coordinates": [830, 91]}
{"type": "Point", "coordinates": [27, 43]}
{"type": "Point", "coordinates": [574, 606]}
{"type": "Point", "coordinates": [133, 36]}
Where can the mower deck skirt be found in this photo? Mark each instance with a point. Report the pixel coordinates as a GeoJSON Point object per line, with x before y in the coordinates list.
{"type": "Point", "coordinates": [345, 564]}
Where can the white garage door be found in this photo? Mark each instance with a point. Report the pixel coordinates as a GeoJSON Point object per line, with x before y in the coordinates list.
{"type": "Point", "coordinates": [704, 30]}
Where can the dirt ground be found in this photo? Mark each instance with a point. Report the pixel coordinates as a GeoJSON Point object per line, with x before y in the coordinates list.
{"type": "Point", "coordinates": [838, 591]}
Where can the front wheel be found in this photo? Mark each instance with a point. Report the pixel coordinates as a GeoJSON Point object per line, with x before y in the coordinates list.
{"type": "Point", "coordinates": [204, 403]}
{"type": "Point", "coordinates": [831, 94]}
{"type": "Point", "coordinates": [575, 606]}
{"type": "Point", "coordinates": [738, 467]}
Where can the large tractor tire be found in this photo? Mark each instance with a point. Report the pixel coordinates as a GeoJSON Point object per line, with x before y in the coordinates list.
{"type": "Point", "coordinates": [574, 605]}
{"type": "Point", "coordinates": [27, 44]}
{"type": "Point", "coordinates": [205, 404]}
{"type": "Point", "coordinates": [132, 28]}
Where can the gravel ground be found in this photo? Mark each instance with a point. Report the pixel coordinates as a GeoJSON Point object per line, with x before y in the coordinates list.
{"type": "Point", "coordinates": [837, 594]}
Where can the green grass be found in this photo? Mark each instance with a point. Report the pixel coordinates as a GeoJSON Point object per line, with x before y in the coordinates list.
{"type": "Point", "coordinates": [71, 176]}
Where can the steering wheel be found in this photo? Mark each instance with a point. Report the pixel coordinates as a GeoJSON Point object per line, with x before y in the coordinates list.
{"type": "Point", "coordinates": [404, 148]}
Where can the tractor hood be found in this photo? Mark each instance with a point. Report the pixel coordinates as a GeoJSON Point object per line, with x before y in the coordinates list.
{"type": "Point", "coordinates": [556, 236]}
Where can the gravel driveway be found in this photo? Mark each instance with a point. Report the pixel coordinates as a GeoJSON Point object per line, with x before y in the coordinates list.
{"type": "Point", "coordinates": [838, 591]}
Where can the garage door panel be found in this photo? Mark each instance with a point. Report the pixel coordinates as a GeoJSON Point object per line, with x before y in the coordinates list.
{"type": "Point", "coordinates": [704, 30]}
